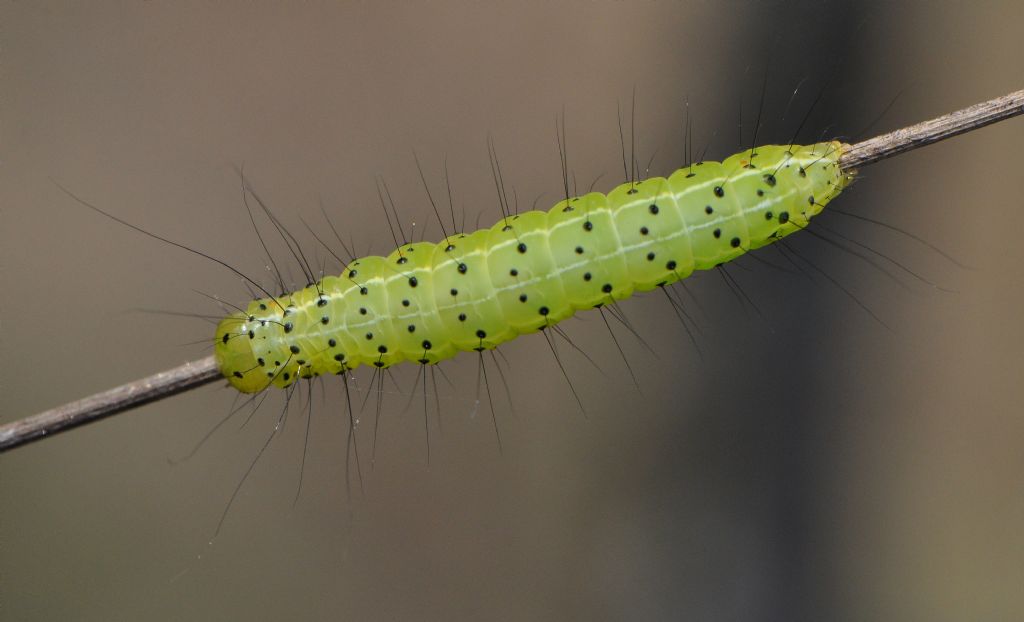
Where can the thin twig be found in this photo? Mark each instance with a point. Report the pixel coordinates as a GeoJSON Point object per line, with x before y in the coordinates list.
{"type": "Point", "coordinates": [204, 371]}
{"type": "Point", "coordinates": [150, 389]}
{"type": "Point", "coordinates": [941, 128]}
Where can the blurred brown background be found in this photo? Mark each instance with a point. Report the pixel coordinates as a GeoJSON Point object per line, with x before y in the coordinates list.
{"type": "Point", "coordinates": [813, 465]}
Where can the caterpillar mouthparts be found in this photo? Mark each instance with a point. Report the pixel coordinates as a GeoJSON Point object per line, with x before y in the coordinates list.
{"type": "Point", "coordinates": [426, 302]}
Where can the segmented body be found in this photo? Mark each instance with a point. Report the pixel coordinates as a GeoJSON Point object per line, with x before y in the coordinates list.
{"type": "Point", "coordinates": [426, 302]}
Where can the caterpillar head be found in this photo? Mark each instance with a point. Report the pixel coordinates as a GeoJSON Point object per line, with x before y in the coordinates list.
{"type": "Point", "coordinates": [233, 349]}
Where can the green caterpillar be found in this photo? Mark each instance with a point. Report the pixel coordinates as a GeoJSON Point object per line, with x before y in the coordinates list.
{"type": "Point", "coordinates": [426, 302]}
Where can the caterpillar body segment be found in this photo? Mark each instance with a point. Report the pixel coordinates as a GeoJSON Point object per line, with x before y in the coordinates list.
{"type": "Point", "coordinates": [426, 302]}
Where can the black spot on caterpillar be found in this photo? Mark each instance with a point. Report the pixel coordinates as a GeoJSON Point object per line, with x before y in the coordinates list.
{"type": "Point", "coordinates": [529, 271]}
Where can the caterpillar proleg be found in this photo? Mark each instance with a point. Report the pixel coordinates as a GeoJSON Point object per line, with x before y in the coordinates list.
{"type": "Point", "coordinates": [426, 302]}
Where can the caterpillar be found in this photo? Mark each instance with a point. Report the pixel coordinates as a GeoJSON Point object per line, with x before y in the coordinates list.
{"type": "Point", "coordinates": [426, 302]}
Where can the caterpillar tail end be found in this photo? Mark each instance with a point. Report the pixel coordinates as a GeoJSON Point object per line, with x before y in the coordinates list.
{"type": "Point", "coordinates": [848, 174]}
{"type": "Point", "coordinates": [838, 177]}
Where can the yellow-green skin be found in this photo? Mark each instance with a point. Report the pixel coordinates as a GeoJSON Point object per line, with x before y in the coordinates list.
{"type": "Point", "coordinates": [426, 302]}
